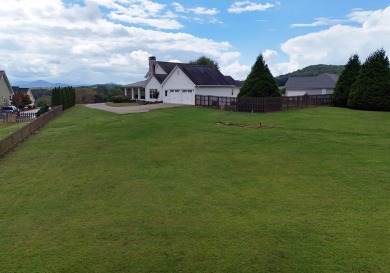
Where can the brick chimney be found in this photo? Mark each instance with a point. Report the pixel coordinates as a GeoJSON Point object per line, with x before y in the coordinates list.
{"type": "Point", "coordinates": [152, 62]}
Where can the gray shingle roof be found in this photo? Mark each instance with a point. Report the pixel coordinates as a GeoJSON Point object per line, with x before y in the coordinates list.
{"type": "Point", "coordinates": [136, 84]}
{"type": "Point", "coordinates": [204, 75]}
{"type": "Point", "coordinates": [322, 81]}
{"type": "Point", "coordinates": [160, 77]}
{"type": "Point", "coordinates": [167, 66]}
{"type": "Point", "coordinates": [20, 89]}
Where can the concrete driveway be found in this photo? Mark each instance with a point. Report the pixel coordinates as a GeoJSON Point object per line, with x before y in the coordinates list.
{"type": "Point", "coordinates": [132, 109]}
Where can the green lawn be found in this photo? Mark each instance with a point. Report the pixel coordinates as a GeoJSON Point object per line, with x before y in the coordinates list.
{"type": "Point", "coordinates": [7, 128]}
{"type": "Point", "coordinates": [172, 191]}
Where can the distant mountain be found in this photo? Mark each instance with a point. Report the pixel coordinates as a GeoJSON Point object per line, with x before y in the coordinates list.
{"type": "Point", "coordinates": [312, 70]}
{"type": "Point", "coordinates": [38, 84]}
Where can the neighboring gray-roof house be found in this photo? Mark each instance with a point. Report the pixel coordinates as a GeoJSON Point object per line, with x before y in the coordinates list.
{"type": "Point", "coordinates": [25, 90]}
{"type": "Point", "coordinates": [180, 82]}
{"type": "Point", "coordinates": [5, 90]}
{"type": "Point", "coordinates": [318, 85]}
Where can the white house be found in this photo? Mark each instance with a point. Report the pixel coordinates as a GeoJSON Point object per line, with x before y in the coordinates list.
{"type": "Point", "coordinates": [25, 90]}
{"type": "Point", "coordinates": [179, 83]}
{"type": "Point", "coordinates": [5, 90]}
{"type": "Point", "coordinates": [322, 84]}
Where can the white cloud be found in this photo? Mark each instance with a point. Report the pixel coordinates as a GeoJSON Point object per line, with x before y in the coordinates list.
{"type": "Point", "coordinates": [78, 43]}
{"type": "Point", "coordinates": [337, 43]}
{"type": "Point", "coordinates": [201, 14]}
{"type": "Point", "coordinates": [236, 70]}
{"type": "Point", "coordinates": [245, 6]}
{"type": "Point", "coordinates": [356, 16]}
{"type": "Point", "coordinates": [322, 21]}
{"type": "Point", "coordinates": [196, 10]}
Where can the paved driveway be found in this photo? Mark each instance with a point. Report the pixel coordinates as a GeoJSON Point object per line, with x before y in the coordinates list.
{"type": "Point", "coordinates": [132, 109]}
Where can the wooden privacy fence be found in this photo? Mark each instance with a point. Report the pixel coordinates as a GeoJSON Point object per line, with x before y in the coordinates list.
{"type": "Point", "coordinates": [246, 104]}
{"type": "Point", "coordinates": [16, 137]}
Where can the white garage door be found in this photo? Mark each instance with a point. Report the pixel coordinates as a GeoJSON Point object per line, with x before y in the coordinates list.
{"type": "Point", "coordinates": [180, 96]}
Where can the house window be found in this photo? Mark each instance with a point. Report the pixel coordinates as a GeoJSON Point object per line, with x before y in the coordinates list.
{"type": "Point", "coordinates": [166, 92]}
{"type": "Point", "coordinates": [153, 94]}
{"type": "Point", "coordinates": [177, 91]}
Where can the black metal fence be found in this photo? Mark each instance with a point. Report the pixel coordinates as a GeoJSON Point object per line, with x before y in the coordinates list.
{"type": "Point", "coordinates": [272, 104]}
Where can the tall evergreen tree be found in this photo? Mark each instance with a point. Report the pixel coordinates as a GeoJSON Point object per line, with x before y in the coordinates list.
{"type": "Point", "coordinates": [346, 80]}
{"type": "Point", "coordinates": [260, 82]}
{"type": "Point", "coordinates": [371, 90]}
{"type": "Point", "coordinates": [55, 97]}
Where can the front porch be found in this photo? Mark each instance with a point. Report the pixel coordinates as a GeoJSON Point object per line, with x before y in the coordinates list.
{"type": "Point", "coordinates": [136, 91]}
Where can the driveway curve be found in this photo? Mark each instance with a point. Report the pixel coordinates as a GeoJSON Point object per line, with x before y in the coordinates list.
{"type": "Point", "coordinates": [132, 109]}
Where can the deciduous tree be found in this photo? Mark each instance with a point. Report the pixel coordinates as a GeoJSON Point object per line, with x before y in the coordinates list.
{"type": "Point", "coordinates": [203, 60]}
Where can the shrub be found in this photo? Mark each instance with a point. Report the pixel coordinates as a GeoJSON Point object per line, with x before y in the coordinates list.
{"type": "Point", "coordinates": [120, 99]}
{"type": "Point", "coordinates": [42, 110]}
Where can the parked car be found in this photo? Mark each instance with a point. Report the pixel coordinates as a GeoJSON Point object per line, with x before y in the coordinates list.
{"type": "Point", "coordinates": [10, 109]}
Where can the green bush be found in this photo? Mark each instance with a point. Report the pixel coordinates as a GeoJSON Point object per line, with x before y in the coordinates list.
{"type": "Point", "coordinates": [120, 99]}
{"type": "Point", "coordinates": [42, 110]}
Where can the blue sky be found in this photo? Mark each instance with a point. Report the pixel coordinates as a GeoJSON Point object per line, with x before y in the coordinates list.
{"type": "Point", "coordinates": [100, 41]}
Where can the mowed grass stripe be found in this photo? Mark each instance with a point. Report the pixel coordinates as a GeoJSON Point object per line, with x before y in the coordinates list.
{"type": "Point", "coordinates": [172, 191]}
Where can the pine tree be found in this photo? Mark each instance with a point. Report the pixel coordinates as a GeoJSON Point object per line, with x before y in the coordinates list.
{"type": "Point", "coordinates": [260, 82]}
{"type": "Point", "coordinates": [371, 91]}
{"type": "Point", "coordinates": [345, 82]}
{"type": "Point", "coordinates": [55, 97]}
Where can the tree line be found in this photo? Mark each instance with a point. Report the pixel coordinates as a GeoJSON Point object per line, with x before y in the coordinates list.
{"type": "Point", "coordinates": [65, 96]}
{"type": "Point", "coordinates": [365, 86]}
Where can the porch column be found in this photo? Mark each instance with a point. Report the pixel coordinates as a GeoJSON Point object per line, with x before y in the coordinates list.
{"type": "Point", "coordinates": [125, 91]}
{"type": "Point", "coordinates": [139, 93]}
{"type": "Point", "coordinates": [132, 93]}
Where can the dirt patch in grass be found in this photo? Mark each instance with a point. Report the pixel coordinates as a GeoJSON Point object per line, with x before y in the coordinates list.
{"type": "Point", "coordinates": [254, 126]}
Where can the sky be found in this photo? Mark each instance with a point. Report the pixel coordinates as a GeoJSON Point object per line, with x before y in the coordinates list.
{"type": "Point", "coordinates": [104, 41]}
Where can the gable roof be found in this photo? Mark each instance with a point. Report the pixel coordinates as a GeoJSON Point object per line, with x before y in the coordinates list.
{"type": "Point", "coordinates": [206, 76]}
{"type": "Point", "coordinates": [167, 66]}
{"type": "Point", "coordinates": [20, 89]}
{"type": "Point", "coordinates": [199, 74]}
{"type": "Point", "coordinates": [4, 76]}
{"type": "Point", "coordinates": [322, 81]}
{"type": "Point", "coordinates": [160, 77]}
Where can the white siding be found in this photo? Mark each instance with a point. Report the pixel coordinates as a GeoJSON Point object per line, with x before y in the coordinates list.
{"type": "Point", "coordinates": [293, 93]}
{"type": "Point", "coordinates": [176, 88]}
{"type": "Point", "coordinates": [5, 93]}
{"type": "Point", "coordinates": [159, 70]}
{"type": "Point", "coordinates": [218, 91]}
{"type": "Point", "coordinates": [153, 83]}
